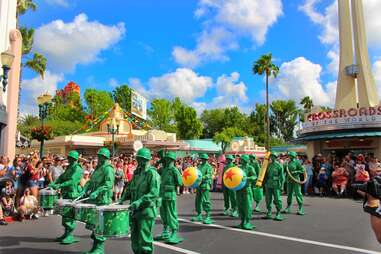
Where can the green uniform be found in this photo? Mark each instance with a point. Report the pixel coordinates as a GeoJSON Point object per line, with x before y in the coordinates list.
{"type": "Point", "coordinates": [230, 201]}
{"type": "Point", "coordinates": [245, 196]}
{"type": "Point", "coordinates": [170, 180]}
{"type": "Point", "coordinates": [68, 182]}
{"type": "Point", "coordinates": [203, 193]}
{"type": "Point", "coordinates": [143, 193]}
{"type": "Point", "coordinates": [273, 183]}
{"type": "Point", "coordinates": [295, 169]}
{"type": "Point", "coordinates": [99, 189]}
{"type": "Point", "coordinates": [257, 191]}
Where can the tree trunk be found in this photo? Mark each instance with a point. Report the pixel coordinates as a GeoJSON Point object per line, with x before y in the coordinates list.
{"type": "Point", "coordinates": [267, 114]}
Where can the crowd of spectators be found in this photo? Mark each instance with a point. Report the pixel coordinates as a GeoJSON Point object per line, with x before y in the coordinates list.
{"type": "Point", "coordinates": [27, 174]}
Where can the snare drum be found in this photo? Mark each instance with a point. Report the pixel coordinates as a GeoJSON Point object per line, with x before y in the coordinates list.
{"type": "Point", "coordinates": [65, 208]}
{"type": "Point", "coordinates": [85, 212]}
{"type": "Point", "coordinates": [112, 221]}
{"type": "Point", "coordinates": [47, 198]}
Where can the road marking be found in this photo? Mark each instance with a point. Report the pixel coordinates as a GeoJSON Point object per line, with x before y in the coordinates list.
{"type": "Point", "coordinates": [288, 238]}
{"type": "Point", "coordinates": [178, 249]}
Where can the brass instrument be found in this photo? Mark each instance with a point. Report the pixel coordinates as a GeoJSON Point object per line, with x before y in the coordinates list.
{"type": "Point", "coordinates": [262, 173]}
{"type": "Point", "coordinates": [296, 180]}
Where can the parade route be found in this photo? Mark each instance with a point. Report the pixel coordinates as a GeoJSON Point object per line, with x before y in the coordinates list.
{"type": "Point", "coordinates": [329, 226]}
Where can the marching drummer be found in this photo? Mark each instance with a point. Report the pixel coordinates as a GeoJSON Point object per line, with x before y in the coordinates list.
{"type": "Point", "coordinates": [230, 202]}
{"type": "Point", "coordinates": [257, 191]}
{"type": "Point", "coordinates": [203, 191]}
{"type": "Point", "coordinates": [170, 180]}
{"type": "Point", "coordinates": [99, 190]}
{"type": "Point", "coordinates": [143, 193]}
{"type": "Point", "coordinates": [68, 182]}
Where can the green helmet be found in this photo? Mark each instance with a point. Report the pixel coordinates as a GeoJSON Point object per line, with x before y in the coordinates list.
{"type": "Point", "coordinates": [229, 157]}
{"type": "Point", "coordinates": [204, 156]}
{"type": "Point", "coordinates": [274, 154]}
{"type": "Point", "coordinates": [144, 153]}
{"type": "Point", "coordinates": [245, 158]}
{"type": "Point", "coordinates": [104, 152]}
{"type": "Point", "coordinates": [171, 155]}
{"type": "Point", "coordinates": [253, 156]}
{"type": "Point", "coordinates": [292, 154]}
{"type": "Point", "coordinates": [73, 154]}
{"type": "Point", "coordinates": [161, 153]}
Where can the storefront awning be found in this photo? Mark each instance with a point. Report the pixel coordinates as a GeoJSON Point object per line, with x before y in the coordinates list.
{"type": "Point", "coordinates": [338, 135]}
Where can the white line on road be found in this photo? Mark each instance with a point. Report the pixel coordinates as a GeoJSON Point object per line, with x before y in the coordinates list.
{"type": "Point", "coordinates": [288, 238]}
{"type": "Point", "coordinates": [178, 249]}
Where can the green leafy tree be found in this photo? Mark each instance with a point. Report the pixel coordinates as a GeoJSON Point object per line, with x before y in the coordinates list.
{"type": "Point", "coordinates": [284, 115]}
{"type": "Point", "coordinates": [257, 121]}
{"type": "Point", "coordinates": [225, 137]}
{"type": "Point", "coordinates": [26, 123]}
{"type": "Point", "coordinates": [98, 101]}
{"type": "Point", "coordinates": [24, 5]}
{"type": "Point", "coordinates": [37, 64]}
{"type": "Point", "coordinates": [187, 124]}
{"type": "Point", "coordinates": [265, 65]}
{"type": "Point", "coordinates": [213, 121]}
{"type": "Point", "coordinates": [69, 110]}
{"type": "Point", "coordinates": [122, 96]}
{"type": "Point", "coordinates": [27, 39]}
{"type": "Point", "coordinates": [162, 115]}
{"type": "Point", "coordinates": [307, 104]}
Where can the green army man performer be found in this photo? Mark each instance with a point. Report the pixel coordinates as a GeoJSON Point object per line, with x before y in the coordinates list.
{"type": "Point", "coordinates": [68, 182]}
{"type": "Point", "coordinates": [273, 182]}
{"type": "Point", "coordinates": [170, 180]}
{"type": "Point", "coordinates": [230, 202]}
{"type": "Point", "coordinates": [293, 170]}
{"type": "Point", "coordinates": [245, 195]}
{"type": "Point", "coordinates": [257, 191]}
{"type": "Point", "coordinates": [143, 193]}
{"type": "Point", "coordinates": [99, 190]}
{"type": "Point", "coordinates": [203, 191]}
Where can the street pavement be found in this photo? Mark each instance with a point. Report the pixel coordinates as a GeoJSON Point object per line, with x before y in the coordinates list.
{"type": "Point", "coordinates": [329, 226]}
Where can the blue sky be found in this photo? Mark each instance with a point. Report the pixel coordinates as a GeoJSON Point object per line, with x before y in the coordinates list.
{"type": "Point", "coordinates": [199, 50]}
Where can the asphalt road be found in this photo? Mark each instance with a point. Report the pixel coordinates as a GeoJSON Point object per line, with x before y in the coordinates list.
{"type": "Point", "coordinates": [329, 226]}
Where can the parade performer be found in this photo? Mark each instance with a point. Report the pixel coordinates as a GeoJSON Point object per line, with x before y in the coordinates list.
{"type": "Point", "coordinates": [257, 191]}
{"type": "Point", "coordinates": [230, 202]}
{"type": "Point", "coordinates": [203, 191]}
{"type": "Point", "coordinates": [294, 169]}
{"type": "Point", "coordinates": [170, 180]}
{"type": "Point", "coordinates": [99, 190]}
{"type": "Point", "coordinates": [143, 193]}
{"type": "Point", "coordinates": [245, 195]}
{"type": "Point", "coordinates": [273, 183]}
{"type": "Point", "coordinates": [68, 183]}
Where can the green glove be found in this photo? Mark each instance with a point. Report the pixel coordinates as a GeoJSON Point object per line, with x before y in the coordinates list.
{"type": "Point", "coordinates": [93, 195]}
{"type": "Point", "coordinates": [53, 186]}
{"type": "Point", "coordinates": [133, 206]}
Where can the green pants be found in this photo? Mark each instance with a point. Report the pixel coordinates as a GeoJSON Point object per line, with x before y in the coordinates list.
{"type": "Point", "coordinates": [276, 194]}
{"type": "Point", "coordinates": [294, 188]}
{"type": "Point", "coordinates": [141, 234]}
{"type": "Point", "coordinates": [229, 199]}
{"type": "Point", "coordinates": [69, 224]}
{"type": "Point", "coordinates": [168, 214]}
{"type": "Point", "coordinates": [203, 201]}
{"type": "Point", "coordinates": [244, 203]}
{"type": "Point", "coordinates": [257, 194]}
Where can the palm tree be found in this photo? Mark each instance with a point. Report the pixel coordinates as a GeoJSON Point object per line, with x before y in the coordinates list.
{"type": "Point", "coordinates": [27, 39]}
{"type": "Point", "coordinates": [264, 65]}
{"type": "Point", "coordinates": [307, 104]}
{"type": "Point", "coordinates": [25, 5]}
{"type": "Point", "coordinates": [37, 64]}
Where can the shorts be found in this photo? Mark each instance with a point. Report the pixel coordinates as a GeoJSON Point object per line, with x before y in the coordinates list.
{"type": "Point", "coordinates": [32, 183]}
{"type": "Point", "coordinates": [118, 188]}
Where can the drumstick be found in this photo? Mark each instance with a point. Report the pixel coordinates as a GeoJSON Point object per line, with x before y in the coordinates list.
{"type": "Point", "coordinates": [77, 201]}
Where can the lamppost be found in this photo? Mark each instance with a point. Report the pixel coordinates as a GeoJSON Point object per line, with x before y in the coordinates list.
{"type": "Point", "coordinates": [43, 102]}
{"type": "Point", "coordinates": [113, 128]}
{"type": "Point", "coordinates": [7, 60]}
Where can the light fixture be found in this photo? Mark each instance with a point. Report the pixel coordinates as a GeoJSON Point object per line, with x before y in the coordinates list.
{"type": "Point", "coordinates": [6, 59]}
{"type": "Point", "coordinates": [361, 140]}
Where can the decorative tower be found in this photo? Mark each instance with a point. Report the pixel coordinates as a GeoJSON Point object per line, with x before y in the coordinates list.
{"type": "Point", "coordinates": [354, 69]}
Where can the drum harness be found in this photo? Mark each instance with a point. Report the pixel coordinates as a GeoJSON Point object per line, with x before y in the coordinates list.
{"type": "Point", "coordinates": [294, 179]}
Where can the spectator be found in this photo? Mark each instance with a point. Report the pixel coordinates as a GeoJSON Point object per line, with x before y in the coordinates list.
{"type": "Point", "coordinates": [339, 179]}
{"type": "Point", "coordinates": [32, 176]}
{"type": "Point", "coordinates": [2, 220]}
{"type": "Point", "coordinates": [85, 178]}
{"type": "Point", "coordinates": [119, 180]}
{"type": "Point", "coordinates": [310, 174]}
{"type": "Point", "coordinates": [55, 170]}
{"type": "Point", "coordinates": [323, 181]}
{"type": "Point", "coordinates": [28, 206]}
{"type": "Point", "coordinates": [17, 171]}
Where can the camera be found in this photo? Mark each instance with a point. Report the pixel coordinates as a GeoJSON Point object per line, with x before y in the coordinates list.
{"type": "Point", "coordinates": [373, 187]}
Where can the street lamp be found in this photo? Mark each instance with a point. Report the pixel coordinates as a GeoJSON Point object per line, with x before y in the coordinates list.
{"type": "Point", "coordinates": [113, 128]}
{"type": "Point", "coordinates": [7, 60]}
{"type": "Point", "coordinates": [43, 102]}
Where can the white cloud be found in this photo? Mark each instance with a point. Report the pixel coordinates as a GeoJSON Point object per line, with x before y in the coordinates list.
{"type": "Point", "coordinates": [113, 82]}
{"type": "Point", "coordinates": [377, 74]}
{"type": "Point", "coordinates": [78, 42]}
{"type": "Point", "coordinates": [225, 22]}
{"type": "Point", "coordinates": [299, 78]}
{"type": "Point", "coordinates": [230, 91]}
{"type": "Point", "coordinates": [61, 3]}
{"type": "Point", "coordinates": [32, 88]}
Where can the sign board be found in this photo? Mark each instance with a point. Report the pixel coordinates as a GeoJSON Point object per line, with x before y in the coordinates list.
{"type": "Point", "coordinates": [341, 119]}
{"type": "Point", "coordinates": [138, 105]}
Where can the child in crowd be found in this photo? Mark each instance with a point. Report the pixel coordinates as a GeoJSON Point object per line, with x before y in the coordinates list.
{"type": "Point", "coordinates": [119, 180]}
{"type": "Point", "coordinates": [323, 181]}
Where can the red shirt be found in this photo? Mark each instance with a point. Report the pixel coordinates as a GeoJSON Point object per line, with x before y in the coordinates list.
{"type": "Point", "coordinates": [33, 176]}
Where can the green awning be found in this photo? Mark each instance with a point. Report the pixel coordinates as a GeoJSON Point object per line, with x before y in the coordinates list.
{"type": "Point", "coordinates": [337, 135]}
{"type": "Point", "coordinates": [203, 145]}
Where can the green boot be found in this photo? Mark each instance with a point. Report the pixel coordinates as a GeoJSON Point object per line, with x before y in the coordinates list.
{"type": "Point", "coordinates": [257, 208]}
{"type": "Point", "coordinates": [278, 216]}
{"type": "Point", "coordinates": [300, 210]}
{"type": "Point", "coordinates": [164, 235]}
{"type": "Point", "coordinates": [226, 212]}
{"type": "Point", "coordinates": [247, 225]}
{"type": "Point", "coordinates": [287, 210]}
{"type": "Point", "coordinates": [197, 218]}
{"type": "Point", "coordinates": [174, 239]}
{"type": "Point", "coordinates": [69, 239]}
{"type": "Point", "coordinates": [99, 247]}
{"type": "Point", "coordinates": [234, 213]}
{"type": "Point", "coordinates": [59, 239]}
{"type": "Point", "coordinates": [208, 219]}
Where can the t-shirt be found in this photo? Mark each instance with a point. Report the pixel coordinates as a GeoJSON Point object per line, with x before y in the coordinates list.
{"type": "Point", "coordinates": [56, 171]}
